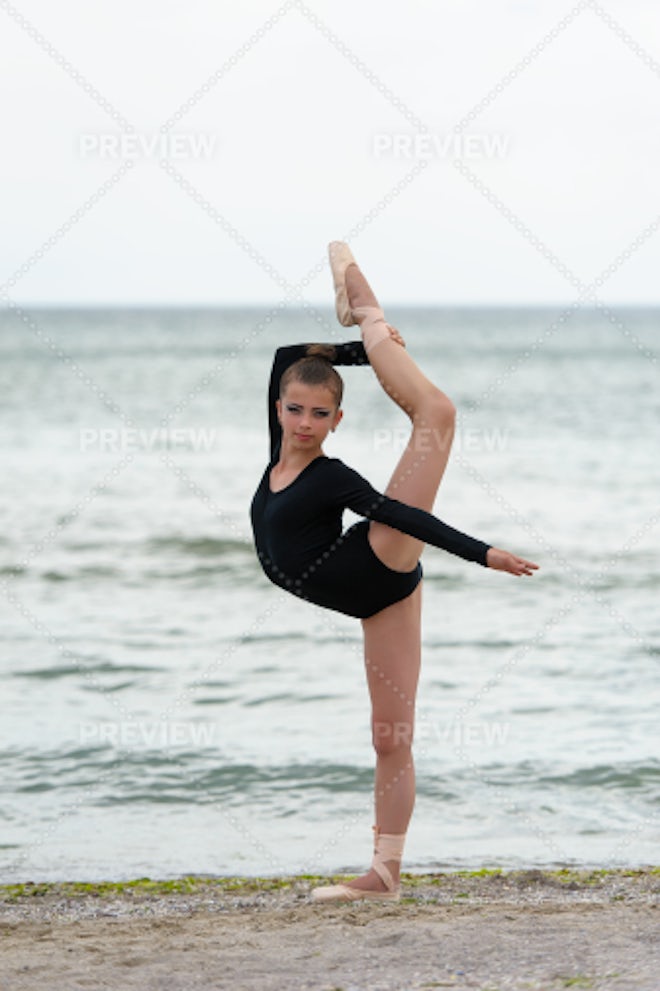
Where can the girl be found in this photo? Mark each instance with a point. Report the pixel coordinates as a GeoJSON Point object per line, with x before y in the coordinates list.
{"type": "Point", "coordinates": [372, 570]}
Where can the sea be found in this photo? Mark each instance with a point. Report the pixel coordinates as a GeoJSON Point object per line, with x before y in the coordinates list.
{"type": "Point", "coordinates": [167, 711]}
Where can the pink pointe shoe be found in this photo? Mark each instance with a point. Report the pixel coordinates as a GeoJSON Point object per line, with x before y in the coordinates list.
{"type": "Point", "coordinates": [371, 319]}
{"type": "Point", "coordinates": [340, 258]}
{"type": "Point", "coordinates": [388, 846]}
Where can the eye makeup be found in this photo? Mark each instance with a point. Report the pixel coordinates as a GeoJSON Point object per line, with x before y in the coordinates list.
{"type": "Point", "coordinates": [320, 412]}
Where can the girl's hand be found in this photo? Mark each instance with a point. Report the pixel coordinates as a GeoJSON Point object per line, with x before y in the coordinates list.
{"type": "Point", "coordinates": [505, 561]}
{"type": "Point", "coordinates": [396, 336]}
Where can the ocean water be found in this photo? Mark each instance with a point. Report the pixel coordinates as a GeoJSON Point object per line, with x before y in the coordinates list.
{"type": "Point", "coordinates": [166, 710]}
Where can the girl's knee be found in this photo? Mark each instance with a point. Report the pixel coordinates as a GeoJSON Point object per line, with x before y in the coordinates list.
{"type": "Point", "coordinates": [388, 736]}
{"type": "Point", "coordinates": [434, 424]}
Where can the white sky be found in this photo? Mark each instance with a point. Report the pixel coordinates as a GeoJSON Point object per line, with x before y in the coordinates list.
{"type": "Point", "coordinates": [307, 136]}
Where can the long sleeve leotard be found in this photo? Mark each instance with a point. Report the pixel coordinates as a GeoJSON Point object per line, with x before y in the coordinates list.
{"type": "Point", "coordinates": [298, 530]}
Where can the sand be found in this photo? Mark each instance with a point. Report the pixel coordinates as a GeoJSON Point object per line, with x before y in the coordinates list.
{"type": "Point", "coordinates": [526, 930]}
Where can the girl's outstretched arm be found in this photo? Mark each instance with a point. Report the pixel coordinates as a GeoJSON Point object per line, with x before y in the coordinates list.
{"type": "Point", "coordinates": [506, 561]}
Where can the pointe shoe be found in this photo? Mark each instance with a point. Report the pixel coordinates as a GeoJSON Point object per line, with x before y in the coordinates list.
{"type": "Point", "coordinates": [371, 319]}
{"type": "Point", "coordinates": [340, 258]}
{"type": "Point", "coordinates": [388, 846]}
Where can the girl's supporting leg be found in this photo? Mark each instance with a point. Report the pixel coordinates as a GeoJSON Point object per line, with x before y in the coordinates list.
{"type": "Point", "coordinates": [420, 469]}
{"type": "Point", "coordinates": [392, 647]}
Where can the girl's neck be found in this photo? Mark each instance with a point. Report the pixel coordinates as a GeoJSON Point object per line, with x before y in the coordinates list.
{"type": "Point", "coordinates": [292, 459]}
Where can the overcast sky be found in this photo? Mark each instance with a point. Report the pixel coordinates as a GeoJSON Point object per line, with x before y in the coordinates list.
{"type": "Point", "coordinates": [472, 151]}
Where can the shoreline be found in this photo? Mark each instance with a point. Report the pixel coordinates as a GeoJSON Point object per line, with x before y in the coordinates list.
{"type": "Point", "coordinates": [480, 881]}
{"type": "Point", "coordinates": [489, 929]}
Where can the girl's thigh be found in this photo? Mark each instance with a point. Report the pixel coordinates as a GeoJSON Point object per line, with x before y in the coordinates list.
{"type": "Point", "coordinates": [392, 652]}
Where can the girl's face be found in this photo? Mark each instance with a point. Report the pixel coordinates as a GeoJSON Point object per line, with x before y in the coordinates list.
{"type": "Point", "coordinates": [307, 414]}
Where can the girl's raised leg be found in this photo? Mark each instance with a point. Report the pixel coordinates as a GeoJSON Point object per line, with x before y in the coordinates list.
{"type": "Point", "coordinates": [420, 469]}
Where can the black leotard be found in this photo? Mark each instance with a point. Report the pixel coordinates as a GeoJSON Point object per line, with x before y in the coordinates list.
{"type": "Point", "coordinates": [298, 530]}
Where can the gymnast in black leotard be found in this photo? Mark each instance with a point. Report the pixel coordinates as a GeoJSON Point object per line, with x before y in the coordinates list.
{"type": "Point", "coordinates": [372, 571]}
{"type": "Point", "coordinates": [298, 530]}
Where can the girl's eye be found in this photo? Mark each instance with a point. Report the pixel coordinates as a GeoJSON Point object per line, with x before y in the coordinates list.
{"type": "Point", "coordinates": [322, 413]}
{"type": "Point", "coordinates": [293, 409]}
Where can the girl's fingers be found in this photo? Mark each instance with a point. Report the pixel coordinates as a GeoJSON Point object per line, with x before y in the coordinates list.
{"type": "Point", "coordinates": [395, 335]}
{"type": "Point", "coordinates": [506, 561]}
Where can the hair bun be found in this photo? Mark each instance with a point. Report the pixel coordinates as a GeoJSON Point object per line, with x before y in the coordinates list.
{"type": "Point", "coordinates": [326, 351]}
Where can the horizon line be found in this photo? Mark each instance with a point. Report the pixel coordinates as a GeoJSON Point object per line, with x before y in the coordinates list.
{"type": "Point", "coordinates": [154, 305]}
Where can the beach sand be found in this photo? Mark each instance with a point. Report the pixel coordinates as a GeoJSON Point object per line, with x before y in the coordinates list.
{"type": "Point", "coordinates": [517, 930]}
